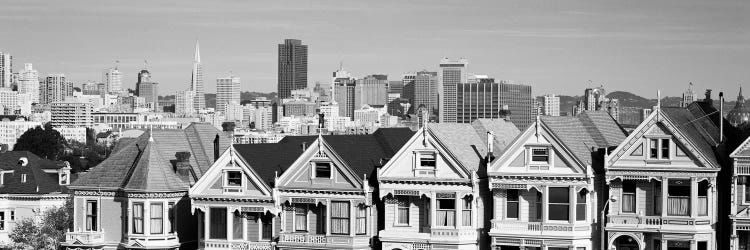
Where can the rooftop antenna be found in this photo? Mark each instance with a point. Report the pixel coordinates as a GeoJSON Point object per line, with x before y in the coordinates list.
{"type": "Point", "coordinates": [117, 64]}
{"type": "Point", "coordinates": [658, 99]}
{"type": "Point", "coordinates": [145, 64]}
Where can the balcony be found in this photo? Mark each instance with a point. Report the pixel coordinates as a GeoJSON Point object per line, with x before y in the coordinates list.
{"type": "Point", "coordinates": [153, 240]}
{"type": "Point", "coordinates": [539, 228]}
{"type": "Point", "coordinates": [235, 245]}
{"type": "Point", "coordinates": [85, 238]}
{"type": "Point", "coordinates": [319, 240]}
{"type": "Point", "coordinates": [635, 221]}
{"type": "Point", "coordinates": [454, 234]}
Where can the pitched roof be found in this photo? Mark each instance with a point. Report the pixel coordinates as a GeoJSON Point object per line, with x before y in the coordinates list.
{"type": "Point", "coordinates": [468, 141]}
{"type": "Point", "coordinates": [37, 181]}
{"type": "Point", "coordinates": [698, 130]}
{"type": "Point", "coordinates": [591, 129]}
{"type": "Point", "coordinates": [361, 152]}
{"type": "Point", "coordinates": [142, 163]}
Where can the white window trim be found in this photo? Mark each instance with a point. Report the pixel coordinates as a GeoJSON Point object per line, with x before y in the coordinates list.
{"type": "Point", "coordinates": [294, 218]}
{"type": "Point", "coordinates": [659, 156]}
{"type": "Point", "coordinates": [408, 213]}
{"type": "Point", "coordinates": [529, 150]}
{"type": "Point", "coordinates": [314, 165]}
{"type": "Point", "coordinates": [505, 206]}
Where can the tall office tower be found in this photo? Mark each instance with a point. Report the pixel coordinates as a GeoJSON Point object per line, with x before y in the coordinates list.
{"type": "Point", "coordinates": [551, 105]}
{"type": "Point", "coordinates": [112, 79]}
{"type": "Point", "coordinates": [396, 87]}
{"type": "Point", "coordinates": [478, 99]}
{"type": "Point", "coordinates": [147, 89]}
{"type": "Point", "coordinates": [55, 89]}
{"type": "Point", "coordinates": [292, 67]}
{"type": "Point", "coordinates": [227, 92]}
{"type": "Point", "coordinates": [6, 70]}
{"type": "Point", "coordinates": [343, 95]}
{"type": "Point", "coordinates": [90, 88]}
{"type": "Point", "coordinates": [689, 96]}
{"type": "Point", "coordinates": [371, 90]}
{"type": "Point", "coordinates": [519, 102]}
{"type": "Point", "coordinates": [426, 92]}
{"type": "Point", "coordinates": [29, 82]}
{"type": "Point", "coordinates": [408, 78]}
{"type": "Point", "coordinates": [196, 82]}
{"type": "Point", "coordinates": [452, 73]}
{"type": "Point", "coordinates": [183, 103]}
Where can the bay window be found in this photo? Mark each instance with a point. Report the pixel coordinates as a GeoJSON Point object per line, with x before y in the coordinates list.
{"type": "Point", "coordinates": [559, 203]}
{"type": "Point", "coordinates": [511, 204]}
{"type": "Point", "coordinates": [300, 218]}
{"type": "Point", "coordinates": [170, 216]}
{"type": "Point", "coordinates": [581, 205]}
{"type": "Point", "coordinates": [361, 220]}
{"type": "Point", "coordinates": [466, 211]}
{"type": "Point", "coordinates": [678, 200]}
{"type": "Point", "coordinates": [340, 217]}
{"type": "Point", "coordinates": [446, 213]}
{"type": "Point", "coordinates": [628, 196]}
{"type": "Point", "coordinates": [92, 214]}
{"type": "Point", "coordinates": [138, 218]}
{"type": "Point", "coordinates": [157, 218]}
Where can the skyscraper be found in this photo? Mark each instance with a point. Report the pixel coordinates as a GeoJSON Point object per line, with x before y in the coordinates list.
{"type": "Point", "coordinates": [517, 100]}
{"type": "Point", "coordinates": [227, 92]}
{"type": "Point", "coordinates": [147, 89]}
{"type": "Point", "coordinates": [452, 73]}
{"type": "Point", "coordinates": [112, 79]}
{"type": "Point", "coordinates": [292, 67]}
{"type": "Point", "coordinates": [371, 90]}
{"type": "Point", "coordinates": [6, 70]}
{"type": "Point", "coordinates": [196, 82]}
{"type": "Point", "coordinates": [426, 92]}
{"type": "Point", "coordinates": [183, 103]}
{"type": "Point", "coordinates": [551, 105]}
{"type": "Point", "coordinates": [478, 99]}
{"type": "Point", "coordinates": [29, 82]}
{"type": "Point", "coordinates": [55, 89]}
{"type": "Point", "coordinates": [343, 95]}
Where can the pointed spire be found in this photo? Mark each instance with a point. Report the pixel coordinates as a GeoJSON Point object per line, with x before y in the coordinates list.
{"type": "Point", "coordinates": [658, 99]}
{"type": "Point", "coordinates": [197, 52]}
{"type": "Point", "coordinates": [740, 95]}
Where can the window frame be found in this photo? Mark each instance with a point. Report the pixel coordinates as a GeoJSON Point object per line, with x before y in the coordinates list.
{"type": "Point", "coordinates": [581, 205]}
{"type": "Point", "coordinates": [171, 218]}
{"type": "Point", "coordinates": [516, 202]}
{"type": "Point", "coordinates": [361, 214]}
{"type": "Point", "coordinates": [228, 179]}
{"type": "Point", "coordinates": [466, 207]}
{"type": "Point", "coordinates": [315, 174]}
{"type": "Point", "coordinates": [659, 145]}
{"type": "Point", "coordinates": [2, 220]}
{"type": "Point", "coordinates": [212, 212]}
{"type": "Point", "coordinates": [438, 203]}
{"type": "Point", "coordinates": [152, 218]}
{"type": "Point", "coordinates": [346, 217]}
{"type": "Point", "coordinates": [551, 203]}
{"type": "Point", "coordinates": [635, 197]}
{"type": "Point", "coordinates": [423, 157]}
{"type": "Point", "coordinates": [403, 203]}
{"type": "Point", "coordinates": [305, 209]}
{"type": "Point", "coordinates": [141, 218]}
{"type": "Point", "coordinates": [92, 214]}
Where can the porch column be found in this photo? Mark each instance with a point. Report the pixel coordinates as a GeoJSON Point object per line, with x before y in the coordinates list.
{"type": "Point", "coordinates": [572, 203]}
{"type": "Point", "coordinates": [693, 244]}
{"type": "Point", "coordinates": [146, 218]}
{"type": "Point", "coordinates": [712, 205]}
{"type": "Point", "coordinates": [230, 223]}
{"type": "Point", "coordinates": [433, 205]}
{"type": "Point", "coordinates": [545, 200]}
{"type": "Point", "coordinates": [352, 219]}
{"type": "Point", "coordinates": [664, 195]}
{"type": "Point", "coordinates": [327, 219]}
{"type": "Point", "coordinates": [663, 244]}
{"type": "Point", "coordinates": [693, 197]}
{"type": "Point", "coordinates": [207, 222]}
{"type": "Point", "coordinates": [458, 210]}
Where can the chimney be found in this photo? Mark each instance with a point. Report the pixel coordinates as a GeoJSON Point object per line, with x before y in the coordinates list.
{"type": "Point", "coordinates": [216, 147]}
{"type": "Point", "coordinates": [182, 166]}
{"type": "Point", "coordinates": [490, 145]}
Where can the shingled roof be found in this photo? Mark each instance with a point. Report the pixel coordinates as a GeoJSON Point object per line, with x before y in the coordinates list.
{"type": "Point", "coordinates": [587, 131]}
{"type": "Point", "coordinates": [468, 141]}
{"type": "Point", "coordinates": [146, 163]}
{"type": "Point", "coordinates": [361, 152]}
{"type": "Point", "coordinates": [37, 181]}
{"type": "Point", "coordinates": [698, 130]}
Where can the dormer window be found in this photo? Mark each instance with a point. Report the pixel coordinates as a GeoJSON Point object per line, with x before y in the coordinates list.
{"type": "Point", "coordinates": [659, 148]}
{"type": "Point", "coordinates": [234, 178]}
{"type": "Point", "coordinates": [540, 155]}
{"type": "Point", "coordinates": [322, 170]}
{"type": "Point", "coordinates": [427, 160]}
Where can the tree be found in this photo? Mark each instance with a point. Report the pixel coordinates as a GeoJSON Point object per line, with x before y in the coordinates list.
{"type": "Point", "coordinates": [45, 235]}
{"type": "Point", "coordinates": [43, 142]}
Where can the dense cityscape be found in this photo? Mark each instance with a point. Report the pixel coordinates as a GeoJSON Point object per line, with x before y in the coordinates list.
{"type": "Point", "coordinates": [443, 155]}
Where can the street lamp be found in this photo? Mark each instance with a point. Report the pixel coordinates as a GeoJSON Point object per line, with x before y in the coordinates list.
{"type": "Point", "coordinates": [612, 198]}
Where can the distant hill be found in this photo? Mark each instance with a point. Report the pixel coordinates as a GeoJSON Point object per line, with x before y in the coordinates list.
{"type": "Point", "coordinates": [244, 97]}
{"type": "Point", "coordinates": [628, 99]}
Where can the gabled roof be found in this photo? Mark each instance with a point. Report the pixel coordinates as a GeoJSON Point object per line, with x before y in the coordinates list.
{"type": "Point", "coordinates": [467, 142]}
{"type": "Point", "coordinates": [362, 153]}
{"type": "Point", "coordinates": [37, 181]}
{"type": "Point", "coordinates": [141, 163]}
{"type": "Point", "coordinates": [591, 129]}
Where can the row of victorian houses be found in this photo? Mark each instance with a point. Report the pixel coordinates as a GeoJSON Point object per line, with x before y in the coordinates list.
{"type": "Point", "coordinates": [574, 183]}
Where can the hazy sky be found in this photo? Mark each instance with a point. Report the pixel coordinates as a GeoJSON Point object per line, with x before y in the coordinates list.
{"type": "Point", "coordinates": [556, 46]}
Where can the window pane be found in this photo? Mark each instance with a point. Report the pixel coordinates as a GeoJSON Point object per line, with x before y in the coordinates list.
{"type": "Point", "coordinates": [446, 204]}
{"type": "Point", "coordinates": [540, 155]}
{"type": "Point", "coordinates": [218, 220]}
{"type": "Point", "coordinates": [170, 213]}
{"type": "Point", "coordinates": [559, 195]}
{"type": "Point", "coordinates": [512, 209]}
{"type": "Point", "coordinates": [234, 178]}
{"type": "Point", "coordinates": [427, 160]}
{"type": "Point", "coordinates": [300, 218]}
{"type": "Point", "coordinates": [403, 209]}
{"type": "Point", "coordinates": [138, 218]}
{"type": "Point", "coordinates": [512, 194]}
{"type": "Point", "coordinates": [653, 150]}
{"type": "Point", "coordinates": [340, 217]}
{"type": "Point", "coordinates": [267, 221]}
{"type": "Point", "coordinates": [361, 220]}
{"type": "Point", "coordinates": [322, 170]}
{"type": "Point", "coordinates": [558, 212]}
{"type": "Point", "coordinates": [157, 218]}
{"type": "Point", "coordinates": [237, 226]}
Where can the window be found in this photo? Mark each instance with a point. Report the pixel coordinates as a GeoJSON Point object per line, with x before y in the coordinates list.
{"type": "Point", "coordinates": [137, 218]}
{"type": "Point", "coordinates": [2, 221]}
{"type": "Point", "coordinates": [540, 155]}
{"type": "Point", "coordinates": [170, 214]}
{"type": "Point", "coordinates": [234, 178]}
{"type": "Point", "coordinates": [218, 221]}
{"type": "Point", "coordinates": [539, 206]}
{"type": "Point", "coordinates": [678, 197]}
{"type": "Point", "coordinates": [157, 218]}
{"type": "Point", "coordinates": [659, 149]}
{"type": "Point", "coordinates": [559, 203]}
{"type": "Point", "coordinates": [91, 216]}
{"type": "Point", "coordinates": [266, 227]}
{"type": "Point", "coordinates": [466, 211]}
{"type": "Point", "coordinates": [446, 213]}
{"type": "Point", "coordinates": [628, 196]}
{"type": "Point", "coordinates": [339, 217]}
{"type": "Point", "coordinates": [581, 205]}
{"type": "Point", "coordinates": [511, 204]}
{"type": "Point", "coordinates": [703, 198]}
{"type": "Point", "coordinates": [427, 160]}
{"type": "Point", "coordinates": [323, 170]}
{"type": "Point", "coordinates": [300, 218]}
{"type": "Point", "coordinates": [403, 210]}
{"type": "Point", "coordinates": [237, 225]}
{"type": "Point", "coordinates": [361, 220]}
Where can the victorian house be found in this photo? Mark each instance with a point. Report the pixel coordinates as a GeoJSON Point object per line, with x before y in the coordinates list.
{"type": "Point", "coordinates": [137, 198]}
{"type": "Point", "coordinates": [740, 198]}
{"type": "Point", "coordinates": [662, 183]}
{"type": "Point", "coordinates": [432, 193]}
{"type": "Point", "coordinates": [305, 192]}
{"type": "Point", "coordinates": [543, 185]}
{"type": "Point", "coordinates": [29, 185]}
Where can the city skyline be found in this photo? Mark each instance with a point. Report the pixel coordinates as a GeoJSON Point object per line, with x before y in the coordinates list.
{"type": "Point", "coordinates": [624, 46]}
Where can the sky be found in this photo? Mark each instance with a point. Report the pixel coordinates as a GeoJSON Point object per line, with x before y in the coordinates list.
{"type": "Point", "coordinates": [557, 46]}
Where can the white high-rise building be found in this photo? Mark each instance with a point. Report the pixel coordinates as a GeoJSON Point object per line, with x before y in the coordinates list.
{"type": "Point", "coordinates": [55, 89]}
{"type": "Point", "coordinates": [183, 103]}
{"type": "Point", "coordinates": [227, 92]}
{"type": "Point", "coordinates": [196, 83]}
{"type": "Point", "coordinates": [112, 79]}
{"type": "Point", "coordinates": [452, 73]}
{"type": "Point", "coordinates": [6, 70]}
{"type": "Point", "coordinates": [29, 82]}
{"type": "Point", "coordinates": [551, 105]}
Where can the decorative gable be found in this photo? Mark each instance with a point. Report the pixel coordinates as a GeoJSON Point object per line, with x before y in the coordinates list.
{"type": "Point", "coordinates": [320, 168]}
{"type": "Point", "coordinates": [424, 157]}
{"type": "Point", "coordinates": [231, 175]}
{"type": "Point", "coordinates": [535, 151]}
